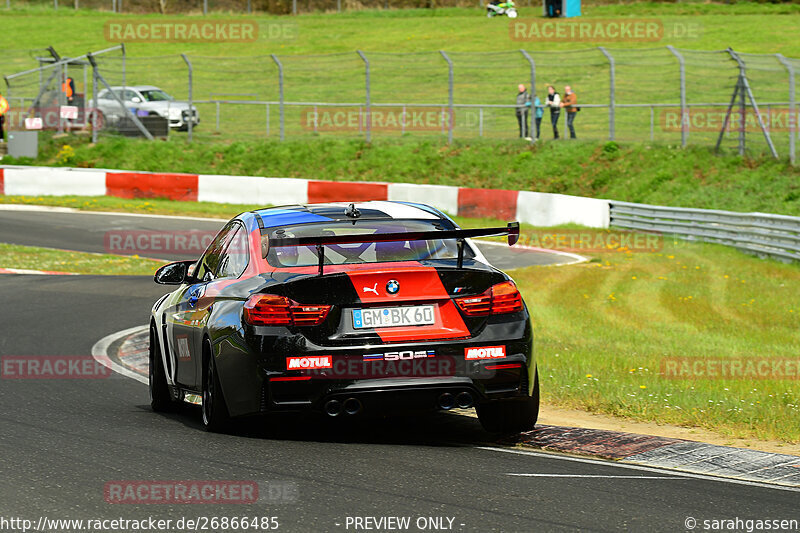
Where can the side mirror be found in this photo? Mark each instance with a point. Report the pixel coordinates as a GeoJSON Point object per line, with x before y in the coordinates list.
{"type": "Point", "coordinates": [136, 100]}
{"type": "Point", "coordinates": [173, 273]}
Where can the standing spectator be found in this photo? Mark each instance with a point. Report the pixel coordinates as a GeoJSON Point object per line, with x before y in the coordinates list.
{"type": "Point", "coordinates": [538, 113]}
{"type": "Point", "coordinates": [68, 88]}
{"type": "Point", "coordinates": [3, 111]}
{"type": "Point", "coordinates": [523, 107]}
{"type": "Point", "coordinates": [570, 103]}
{"type": "Point", "coordinates": [554, 103]}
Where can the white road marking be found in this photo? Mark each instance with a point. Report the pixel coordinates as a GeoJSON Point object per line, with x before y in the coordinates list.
{"type": "Point", "coordinates": [29, 207]}
{"type": "Point", "coordinates": [601, 462]}
{"type": "Point", "coordinates": [100, 353]}
{"type": "Point", "coordinates": [575, 257]}
{"type": "Point", "coordinates": [72, 210]}
{"type": "Point", "coordinates": [596, 476]}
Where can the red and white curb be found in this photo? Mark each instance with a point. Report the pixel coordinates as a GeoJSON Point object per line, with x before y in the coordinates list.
{"type": "Point", "coordinates": [39, 272]}
{"type": "Point", "coordinates": [126, 352]}
{"type": "Point", "coordinates": [536, 208]}
{"type": "Point", "coordinates": [103, 353]}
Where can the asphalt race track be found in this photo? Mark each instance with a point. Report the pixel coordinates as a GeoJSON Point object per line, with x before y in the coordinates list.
{"type": "Point", "coordinates": [89, 232]}
{"type": "Point", "coordinates": [63, 440]}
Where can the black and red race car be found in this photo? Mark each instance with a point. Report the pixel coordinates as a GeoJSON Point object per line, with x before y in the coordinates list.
{"type": "Point", "coordinates": [344, 309]}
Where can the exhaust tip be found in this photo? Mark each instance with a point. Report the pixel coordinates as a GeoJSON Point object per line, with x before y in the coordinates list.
{"type": "Point", "coordinates": [333, 407]}
{"type": "Point", "coordinates": [465, 400]}
{"type": "Point", "coordinates": [352, 406]}
{"type": "Point", "coordinates": [447, 401]}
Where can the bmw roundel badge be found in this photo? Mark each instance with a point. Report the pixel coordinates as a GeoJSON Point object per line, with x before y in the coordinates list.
{"type": "Point", "coordinates": [392, 286]}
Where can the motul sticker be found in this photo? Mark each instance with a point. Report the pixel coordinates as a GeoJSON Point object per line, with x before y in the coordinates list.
{"type": "Point", "coordinates": [309, 363]}
{"type": "Point", "coordinates": [486, 352]}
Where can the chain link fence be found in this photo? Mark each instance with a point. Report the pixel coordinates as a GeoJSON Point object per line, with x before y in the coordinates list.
{"type": "Point", "coordinates": [660, 94]}
{"type": "Point", "coordinates": [275, 7]}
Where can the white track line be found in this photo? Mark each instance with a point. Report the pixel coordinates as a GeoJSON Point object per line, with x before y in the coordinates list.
{"type": "Point", "coordinates": [627, 466]}
{"type": "Point", "coordinates": [72, 210]}
{"type": "Point", "coordinates": [597, 476]}
{"type": "Point", "coordinates": [575, 257]}
{"type": "Point", "coordinates": [100, 353]}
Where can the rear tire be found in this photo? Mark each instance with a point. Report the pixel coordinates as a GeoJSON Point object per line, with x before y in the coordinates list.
{"type": "Point", "coordinates": [512, 415]}
{"type": "Point", "coordinates": [160, 399]}
{"type": "Point", "coordinates": [214, 411]}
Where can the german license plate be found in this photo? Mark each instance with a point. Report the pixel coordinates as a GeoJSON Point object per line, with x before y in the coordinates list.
{"type": "Point", "coordinates": [389, 317]}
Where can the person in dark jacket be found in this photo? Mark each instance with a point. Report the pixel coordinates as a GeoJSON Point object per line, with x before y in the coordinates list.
{"type": "Point", "coordinates": [554, 103]}
{"type": "Point", "coordinates": [522, 110]}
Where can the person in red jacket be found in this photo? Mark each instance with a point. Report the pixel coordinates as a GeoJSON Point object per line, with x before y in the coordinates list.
{"type": "Point", "coordinates": [68, 88]}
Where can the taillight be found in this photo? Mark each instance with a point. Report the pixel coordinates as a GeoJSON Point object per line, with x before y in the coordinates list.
{"type": "Point", "coordinates": [496, 300]}
{"type": "Point", "coordinates": [274, 310]}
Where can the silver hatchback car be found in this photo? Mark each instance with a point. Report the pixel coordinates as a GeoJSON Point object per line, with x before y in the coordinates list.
{"type": "Point", "coordinates": [145, 100]}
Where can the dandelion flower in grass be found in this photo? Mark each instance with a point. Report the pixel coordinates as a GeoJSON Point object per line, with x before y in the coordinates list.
{"type": "Point", "coordinates": [588, 375]}
{"type": "Point", "coordinates": [670, 257]}
{"type": "Point", "coordinates": [661, 277]}
{"type": "Point", "coordinates": [726, 276]}
{"type": "Point", "coordinates": [642, 386]}
{"type": "Point", "coordinates": [633, 277]}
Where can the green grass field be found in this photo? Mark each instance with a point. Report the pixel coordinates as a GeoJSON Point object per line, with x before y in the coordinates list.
{"type": "Point", "coordinates": [34, 258]}
{"type": "Point", "coordinates": [604, 328]}
{"type": "Point", "coordinates": [321, 65]}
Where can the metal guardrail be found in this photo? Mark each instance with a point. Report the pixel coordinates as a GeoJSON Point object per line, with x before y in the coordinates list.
{"type": "Point", "coordinates": [763, 234]}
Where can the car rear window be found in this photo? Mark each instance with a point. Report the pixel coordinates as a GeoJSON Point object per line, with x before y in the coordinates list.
{"type": "Point", "coordinates": [371, 252]}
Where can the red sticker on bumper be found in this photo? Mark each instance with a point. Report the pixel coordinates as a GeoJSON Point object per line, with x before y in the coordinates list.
{"type": "Point", "coordinates": [485, 352]}
{"type": "Point", "coordinates": [309, 363]}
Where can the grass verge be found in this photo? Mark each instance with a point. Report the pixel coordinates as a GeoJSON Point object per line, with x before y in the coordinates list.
{"type": "Point", "coordinates": [34, 258]}
{"type": "Point", "coordinates": [606, 329]}
{"type": "Point", "coordinates": [635, 172]}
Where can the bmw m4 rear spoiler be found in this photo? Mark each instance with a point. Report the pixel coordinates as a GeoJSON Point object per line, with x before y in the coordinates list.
{"type": "Point", "coordinates": [512, 230]}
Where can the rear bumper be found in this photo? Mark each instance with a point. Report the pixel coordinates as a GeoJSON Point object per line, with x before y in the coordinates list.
{"type": "Point", "coordinates": [255, 384]}
{"type": "Point", "coordinates": [256, 375]}
{"type": "Point", "coordinates": [390, 395]}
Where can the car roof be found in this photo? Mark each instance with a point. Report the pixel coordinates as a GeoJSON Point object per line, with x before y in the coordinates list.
{"type": "Point", "coordinates": [310, 213]}
{"type": "Point", "coordinates": [137, 87]}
